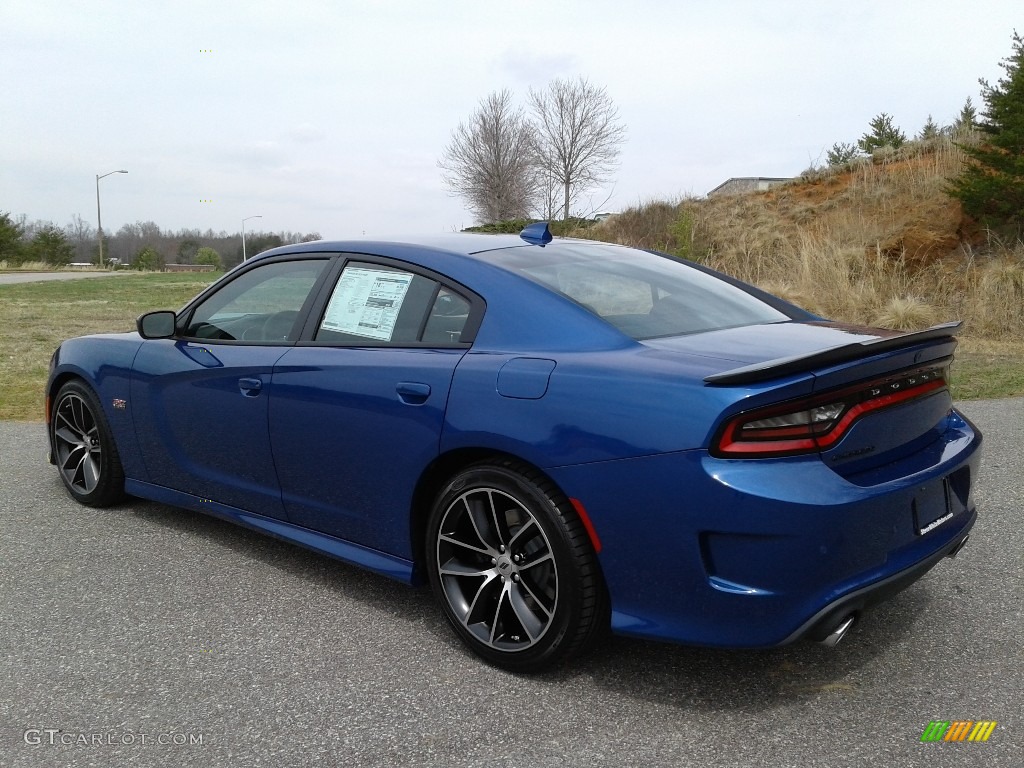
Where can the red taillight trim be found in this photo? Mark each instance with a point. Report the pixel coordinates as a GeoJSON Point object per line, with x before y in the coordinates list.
{"type": "Point", "coordinates": [786, 440]}
{"type": "Point", "coordinates": [587, 525]}
{"type": "Point", "coordinates": [766, 448]}
{"type": "Point", "coordinates": [877, 404]}
{"type": "Point", "coordinates": [728, 444]}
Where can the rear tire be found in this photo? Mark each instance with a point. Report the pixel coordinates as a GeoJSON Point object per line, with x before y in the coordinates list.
{"type": "Point", "coordinates": [84, 448]}
{"type": "Point", "coordinates": [513, 568]}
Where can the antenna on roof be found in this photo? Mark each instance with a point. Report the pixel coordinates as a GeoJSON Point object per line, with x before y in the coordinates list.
{"type": "Point", "coordinates": [536, 234]}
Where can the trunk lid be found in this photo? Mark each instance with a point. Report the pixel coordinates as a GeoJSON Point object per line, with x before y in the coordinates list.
{"type": "Point", "coordinates": [771, 351]}
{"type": "Point", "coordinates": [881, 367]}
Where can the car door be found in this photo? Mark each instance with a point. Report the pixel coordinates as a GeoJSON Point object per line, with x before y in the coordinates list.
{"type": "Point", "coordinates": [357, 411]}
{"type": "Point", "coordinates": [200, 399]}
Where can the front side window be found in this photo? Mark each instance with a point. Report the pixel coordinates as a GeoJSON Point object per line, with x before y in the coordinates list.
{"type": "Point", "coordinates": [262, 304]}
{"type": "Point", "coordinates": [379, 304]}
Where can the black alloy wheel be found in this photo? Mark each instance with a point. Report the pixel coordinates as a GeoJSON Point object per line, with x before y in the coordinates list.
{"type": "Point", "coordinates": [513, 568]}
{"type": "Point", "coordinates": [84, 448]}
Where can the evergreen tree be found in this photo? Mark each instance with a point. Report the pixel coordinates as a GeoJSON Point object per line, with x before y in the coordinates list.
{"type": "Point", "coordinates": [207, 255]}
{"type": "Point", "coordinates": [50, 245]}
{"type": "Point", "coordinates": [11, 246]}
{"type": "Point", "coordinates": [841, 153]}
{"type": "Point", "coordinates": [931, 130]}
{"type": "Point", "coordinates": [967, 121]}
{"type": "Point", "coordinates": [148, 260]}
{"type": "Point", "coordinates": [883, 134]}
{"type": "Point", "coordinates": [991, 187]}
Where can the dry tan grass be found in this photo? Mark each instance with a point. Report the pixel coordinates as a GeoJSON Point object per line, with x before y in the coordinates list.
{"type": "Point", "coordinates": [877, 241]}
{"type": "Point", "coordinates": [906, 313]}
{"type": "Point", "coordinates": [42, 266]}
{"type": "Point", "coordinates": [26, 266]}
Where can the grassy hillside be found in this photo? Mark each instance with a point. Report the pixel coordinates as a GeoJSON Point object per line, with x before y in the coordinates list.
{"type": "Point", "coordinates": [875, 242]}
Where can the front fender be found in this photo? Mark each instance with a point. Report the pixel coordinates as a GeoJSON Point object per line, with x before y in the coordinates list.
{"type": "Point", "coordinates": [104, 363]}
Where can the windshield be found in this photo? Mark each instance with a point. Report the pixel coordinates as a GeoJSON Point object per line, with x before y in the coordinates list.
{"type": "Point", "coordinates": [643, 294]}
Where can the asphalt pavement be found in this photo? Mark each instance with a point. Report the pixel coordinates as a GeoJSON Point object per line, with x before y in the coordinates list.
{"type": "Point", "coordinates": [149, 636]}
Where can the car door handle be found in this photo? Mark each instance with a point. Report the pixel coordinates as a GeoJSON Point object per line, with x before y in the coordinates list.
{"type": "Point", "coordinates": [412, 392]}
{"type": "Point", "coordinates": [250, 387]}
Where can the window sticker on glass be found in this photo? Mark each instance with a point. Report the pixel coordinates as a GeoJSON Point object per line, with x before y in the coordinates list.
{"type": "Point", "coordinates": [366, 302]}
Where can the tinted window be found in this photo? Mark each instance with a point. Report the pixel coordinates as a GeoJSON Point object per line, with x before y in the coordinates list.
{"type": "Point", "coordinates": [262, 304]}
{"type": "Point", "coordinates": [378, 304]}
{"type": "Point", "coordinates": [447, 318]}
{"type": "Point", "coordinates": [642, 294]}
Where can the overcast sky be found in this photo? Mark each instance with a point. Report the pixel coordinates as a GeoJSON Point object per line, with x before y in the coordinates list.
{"type": "Point", "coordinates": [331, 116]}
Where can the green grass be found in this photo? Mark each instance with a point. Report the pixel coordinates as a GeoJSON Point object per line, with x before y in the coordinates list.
{"type": "Point", "coordinates": [36, 317]}
{"type": "Point", "coordinates": [980, 372]}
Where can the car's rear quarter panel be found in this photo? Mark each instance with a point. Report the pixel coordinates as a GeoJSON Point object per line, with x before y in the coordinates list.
{"type": "Point", "coordinates": [742, 552]}
{"type": "Point", "coordinates": [595, 407]}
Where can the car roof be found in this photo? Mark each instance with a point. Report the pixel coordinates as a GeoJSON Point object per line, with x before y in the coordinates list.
{"type": "Point", "coordinates": [456, 254]}
{"type": "Point", "coordinates": [462, 243]}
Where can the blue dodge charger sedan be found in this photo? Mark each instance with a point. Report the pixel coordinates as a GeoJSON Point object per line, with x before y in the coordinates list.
{"type": "Point", "coordinates": [560, 436]}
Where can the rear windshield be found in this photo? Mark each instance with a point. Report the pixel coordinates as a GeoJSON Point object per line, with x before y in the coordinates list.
{"type": "Point", "coordinates": [644, 295]}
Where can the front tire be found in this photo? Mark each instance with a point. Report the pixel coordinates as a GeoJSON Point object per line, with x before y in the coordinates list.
{"type": "Point", "coordinates": [84, 448]}
{"type": "Point", "coordinates": [513, 569]}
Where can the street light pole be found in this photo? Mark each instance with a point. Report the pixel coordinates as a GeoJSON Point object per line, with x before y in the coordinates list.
{"type": "Point", "coordinates": [243, 232]}
{"type": "Point", "coordinates": [99, 221]}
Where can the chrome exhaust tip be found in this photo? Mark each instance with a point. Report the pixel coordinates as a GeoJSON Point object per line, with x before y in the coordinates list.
{"type": "Point", "coordinates": [956, 550]}
{"type": "Point", "coordinates": [832, 639]}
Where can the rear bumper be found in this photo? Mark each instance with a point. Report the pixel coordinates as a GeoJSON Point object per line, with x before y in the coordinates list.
{"type": "Point", "coordinates": [758, 553]}
{"type": "Point", "coordinates": [825, 620]}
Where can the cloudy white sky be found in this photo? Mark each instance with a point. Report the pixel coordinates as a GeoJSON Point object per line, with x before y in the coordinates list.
{"type": "Point", "coordinates": [330, 116]}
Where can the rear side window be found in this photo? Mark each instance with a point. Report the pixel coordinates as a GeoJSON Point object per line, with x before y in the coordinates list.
{"type": "Point", "coordinates": [447, 318]}
{"type": "Point", "coordinates": [379, 304]}
{"type": "Point", "coordinates": [642, 294]}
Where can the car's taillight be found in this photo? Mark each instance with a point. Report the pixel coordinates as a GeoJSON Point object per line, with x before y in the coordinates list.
{"type": "Point", "coordinates": [816, 423]}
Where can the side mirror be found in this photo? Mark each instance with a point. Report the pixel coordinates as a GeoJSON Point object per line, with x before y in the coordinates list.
{"type": "Point", "coordinates": [156, 325]}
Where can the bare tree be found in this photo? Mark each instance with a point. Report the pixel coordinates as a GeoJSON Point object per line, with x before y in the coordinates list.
{"type": "Point", "coordinates": [82, 236]}
{"type": "Point", "coordinates": [578, 136]}
{"type": "Point", "coordinates": [490, 161]}
{"type": "Point", "coordinates": [549, 193]}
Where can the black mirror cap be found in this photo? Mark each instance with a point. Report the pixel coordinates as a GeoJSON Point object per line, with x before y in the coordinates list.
{"type": "Point", "coordinates": [156, 325]}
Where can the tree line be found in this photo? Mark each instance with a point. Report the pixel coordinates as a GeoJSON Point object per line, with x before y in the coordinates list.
{"type": "Point", "coordinates": [884, 135]}
{"type": "Point", "coordinates": [142, 245]}
{"type": "Point", "coordinates": [991, 187]}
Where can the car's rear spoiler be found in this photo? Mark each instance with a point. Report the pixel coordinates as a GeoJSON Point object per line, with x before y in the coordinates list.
{"type": "Point", "coordinates": [784, 366]}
